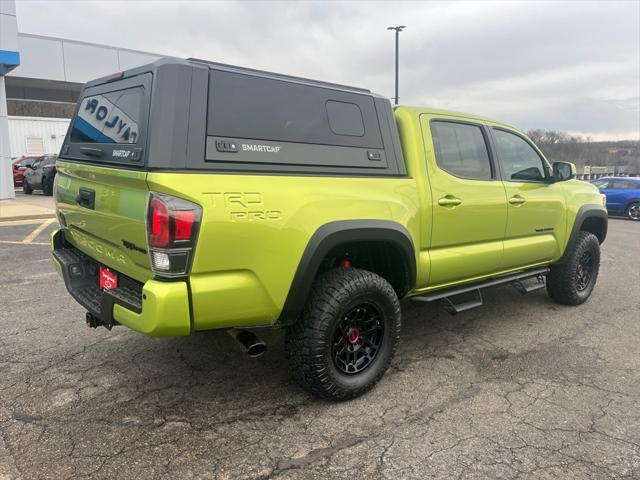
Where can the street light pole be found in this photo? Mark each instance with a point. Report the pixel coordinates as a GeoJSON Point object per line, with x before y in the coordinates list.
{"type": "Point", "coordinates": [398, 29]}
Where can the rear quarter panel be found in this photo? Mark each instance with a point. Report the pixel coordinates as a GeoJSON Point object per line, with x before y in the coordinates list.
{"type": "Point", "coordinates": [255, 229]}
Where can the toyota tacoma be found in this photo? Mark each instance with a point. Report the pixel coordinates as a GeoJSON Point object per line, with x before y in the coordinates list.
{"type": "Point", "coordinates": [194, 196]}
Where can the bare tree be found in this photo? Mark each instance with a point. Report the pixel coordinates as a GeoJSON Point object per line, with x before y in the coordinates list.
{"type": "Point", "coordinates": [558, 145]}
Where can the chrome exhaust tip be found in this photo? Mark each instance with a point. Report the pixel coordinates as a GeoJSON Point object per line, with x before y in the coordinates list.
{"type": "Point", "coordinates": [249, 340]}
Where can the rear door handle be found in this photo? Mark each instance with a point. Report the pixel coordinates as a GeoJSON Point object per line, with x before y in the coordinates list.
{"type": "Point", "coordinates": [517, 200]}
{"type": "Point", "coordinates": [449, 201]}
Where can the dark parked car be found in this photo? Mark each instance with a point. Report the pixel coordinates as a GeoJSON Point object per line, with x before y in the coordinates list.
{"type": "Point", "coordinates": [20, 166]}
{"type": "Point", "coordinates": [40, 175]}
{"type": "Point", "coordinates": [623, 195]}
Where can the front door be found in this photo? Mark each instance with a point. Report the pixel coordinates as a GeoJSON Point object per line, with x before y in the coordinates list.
{"type": "Point", "coordinates": [468, 201]}
{"type": "Point", "coordinates": [536, 207]}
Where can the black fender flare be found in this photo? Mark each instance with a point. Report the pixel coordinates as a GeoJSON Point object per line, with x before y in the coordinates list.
{"type": "Point", "coordinates": [331, 235]}
{"type": "Point", "coordinates": [585, 212]}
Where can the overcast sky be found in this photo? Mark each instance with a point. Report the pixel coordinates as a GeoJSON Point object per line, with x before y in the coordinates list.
{"type": "Point", "coordinates": [573, 66]}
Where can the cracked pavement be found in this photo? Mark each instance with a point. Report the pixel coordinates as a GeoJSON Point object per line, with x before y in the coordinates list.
{"type": "Point", "coordinates": [520, 388]}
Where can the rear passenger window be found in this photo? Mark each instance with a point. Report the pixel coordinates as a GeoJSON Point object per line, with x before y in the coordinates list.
{"type": "Point", "coordinates": [520, 162]}
{"type": "Point", "coordinates": [461, 150]}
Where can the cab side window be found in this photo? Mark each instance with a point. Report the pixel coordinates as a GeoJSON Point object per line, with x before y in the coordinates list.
{"type": "Point", "coordinates": [520, 162]}
{"type": "Point", "coordinates": [461, 150]}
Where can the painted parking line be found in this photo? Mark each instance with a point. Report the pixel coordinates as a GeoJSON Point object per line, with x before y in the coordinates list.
{"type": "Point", "coordinates": [32, 236]}
{"type": "Point", "coordinates": [13, 242]}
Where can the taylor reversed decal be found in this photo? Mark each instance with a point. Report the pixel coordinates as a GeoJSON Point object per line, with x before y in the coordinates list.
{"type": "Point", "coordinates": [103, 121]}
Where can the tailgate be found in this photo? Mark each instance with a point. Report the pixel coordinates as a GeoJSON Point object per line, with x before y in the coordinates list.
{"type": "Point", "coordinates": [104, 215]}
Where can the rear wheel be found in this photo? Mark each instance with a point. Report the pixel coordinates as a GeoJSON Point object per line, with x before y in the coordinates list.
{"type": "Point", "coordinates": [633, 211]}
{"type": "Point", "coordinates": [572, 281]}
{"type": "Point", "coordinates": [26, 188]}
{"type": "Point", "coordinates": [347, 335]}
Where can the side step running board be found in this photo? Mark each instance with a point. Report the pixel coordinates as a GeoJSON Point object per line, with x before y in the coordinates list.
{"type": "Point", "coordinates": [524, 288]}
{"type": "Point", "coordinates": [453, 308]}
{"type": "Point", "coordinates": [517, 278]}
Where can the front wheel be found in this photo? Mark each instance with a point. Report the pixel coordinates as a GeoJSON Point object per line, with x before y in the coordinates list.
{"type": "Point", "coordinates": [633, 211]}
{"type": "Point", "coordinates": [346, 336]}
{"type": "Point", "coordinates": [572, 281]}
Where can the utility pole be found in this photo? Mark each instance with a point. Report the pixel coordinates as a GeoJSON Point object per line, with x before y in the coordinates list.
{"type": "Point", "coordinates": [398, 29]}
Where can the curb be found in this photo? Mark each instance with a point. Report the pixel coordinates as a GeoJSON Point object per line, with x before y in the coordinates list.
{"type": "Point", "coordinates": [36, 216]}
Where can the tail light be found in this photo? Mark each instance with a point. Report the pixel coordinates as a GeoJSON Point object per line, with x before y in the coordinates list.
{"type": "Point", "coordinates": [172, 232]}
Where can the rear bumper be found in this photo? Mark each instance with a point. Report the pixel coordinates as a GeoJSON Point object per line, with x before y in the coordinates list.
{"type": "Point", "coordinates": [154, 308]}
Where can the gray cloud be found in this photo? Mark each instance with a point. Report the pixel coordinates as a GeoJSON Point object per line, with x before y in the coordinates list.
{"type": "Point", "coordinates": [563, 65]}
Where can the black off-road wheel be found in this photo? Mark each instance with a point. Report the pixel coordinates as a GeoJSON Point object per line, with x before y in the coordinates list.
{"type": "Point", "coordinates": [26, 188]}
{"type": "Point", "coordinates": [346, 336]}
{"type": "Point", "coordinates": [571, 282]}
{"type": "Point", "coordinates": [633, 212]}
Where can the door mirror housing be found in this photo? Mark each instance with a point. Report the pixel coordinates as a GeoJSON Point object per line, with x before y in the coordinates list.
{"type": "Point", "coordinates": [563, 171]}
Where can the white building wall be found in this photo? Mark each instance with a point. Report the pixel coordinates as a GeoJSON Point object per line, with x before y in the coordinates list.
{"type": "Point", "coordinates": [27, 133]}
{"type": "Point", "coordinates": [52, 58]}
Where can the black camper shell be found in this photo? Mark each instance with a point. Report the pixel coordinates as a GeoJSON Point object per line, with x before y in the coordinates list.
{"type": "Point", "coordinates": [193, 115]}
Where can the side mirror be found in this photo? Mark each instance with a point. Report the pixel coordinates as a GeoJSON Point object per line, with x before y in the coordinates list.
{"type": "Point", "coordinates": [563, 171]}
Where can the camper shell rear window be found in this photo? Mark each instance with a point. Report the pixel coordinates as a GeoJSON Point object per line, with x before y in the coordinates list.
{"type": "Point", "coordinates": [110, 117]}
{"type": "Point", "coordinates": [109, 125]}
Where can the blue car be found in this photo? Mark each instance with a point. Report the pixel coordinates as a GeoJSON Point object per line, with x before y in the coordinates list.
{"type": "Point", "coordinates": [623, 195]}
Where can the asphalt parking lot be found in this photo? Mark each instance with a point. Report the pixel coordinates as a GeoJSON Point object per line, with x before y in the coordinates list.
{"type": "Point", "coordinates": [520, 388]}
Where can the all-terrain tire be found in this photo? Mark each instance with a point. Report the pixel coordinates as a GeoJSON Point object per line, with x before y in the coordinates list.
{"type": "Point", "coordinates": [26, 188]}
{"type": "Point", "coordinates": [311, 342]}
{"type": "Point", "coordinates": [566, 282]}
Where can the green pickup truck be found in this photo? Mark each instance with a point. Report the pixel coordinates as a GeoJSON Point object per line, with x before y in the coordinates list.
{"type": "Point", "coordinates": [195, 196]}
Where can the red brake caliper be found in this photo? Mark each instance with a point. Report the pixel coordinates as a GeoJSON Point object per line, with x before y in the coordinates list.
{"type": "Point", "coordinates": [353, 335]}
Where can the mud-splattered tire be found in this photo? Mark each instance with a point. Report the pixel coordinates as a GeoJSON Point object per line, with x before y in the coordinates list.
{"type": "Point", "coordinates": [346, 336]}
{"type": "Point", "coordinates": [571, 282]}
